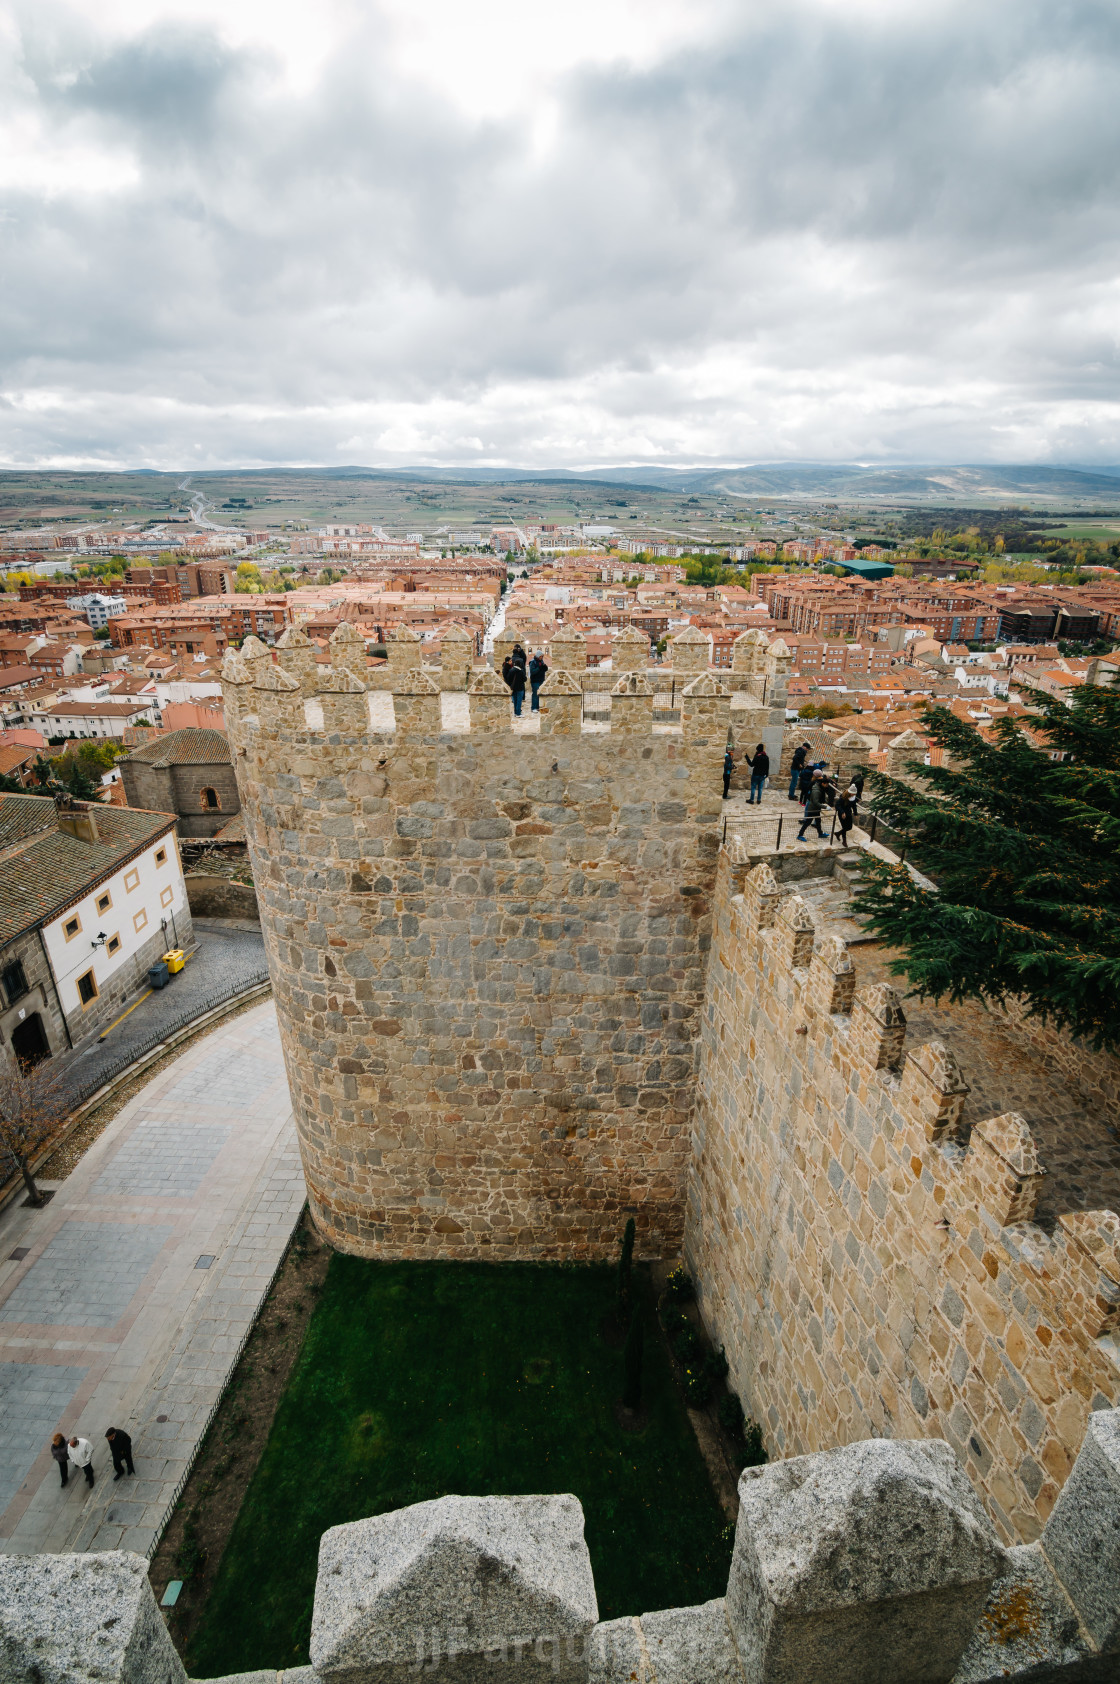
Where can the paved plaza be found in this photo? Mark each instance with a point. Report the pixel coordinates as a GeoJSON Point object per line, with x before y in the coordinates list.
{"type": "Point", "coordinates": [124, 1302]}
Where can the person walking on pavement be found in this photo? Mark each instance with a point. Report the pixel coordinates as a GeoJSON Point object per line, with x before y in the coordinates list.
{"type": "Point", "coordinates": [760, 771]}
{"type": "Point", "coordinates": [81, 1454]}
{"type": "Point", "coordinates": [795, 766]}
{"type": "Point", "coordinates": [814, 801]}
{"type": "Point", "coordinates": [120, 1448]}
{"type": "Point", "coordinates": [728, 768]}
{"type": "Point", "coordinates": [857, 780]}
{"type": "Point", "coordinates": [538, 672]}
{"type": "Point", "coordinates": [60, 1450]}
{"type": "Point", "coordinates": [804, 779]}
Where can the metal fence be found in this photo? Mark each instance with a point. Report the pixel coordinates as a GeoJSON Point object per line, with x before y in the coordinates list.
{"type": "Point", "coordinates": [81, 1089]}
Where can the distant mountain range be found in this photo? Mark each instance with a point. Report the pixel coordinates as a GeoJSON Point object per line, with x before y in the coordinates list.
{"type": "Point", "coordinates": [847, 482]}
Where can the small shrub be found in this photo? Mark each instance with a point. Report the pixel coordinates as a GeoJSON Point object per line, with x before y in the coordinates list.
{"type": "Point", "coordinates": [679, 1285]}
{"type": "Point", "coordinates": [752, 1437]}
{"type": "Point", "coordinates": [715, 1365]}
{"type": "Point", "coordinates": [697, 1387]}
{"type": "Point", "coordinates": [731, 1413]}
{"type": "Point", "coordinates": [686, 1347]}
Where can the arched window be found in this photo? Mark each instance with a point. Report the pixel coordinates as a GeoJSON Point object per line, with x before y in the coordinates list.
{"type": "Point", "coordinates": [210, 799]}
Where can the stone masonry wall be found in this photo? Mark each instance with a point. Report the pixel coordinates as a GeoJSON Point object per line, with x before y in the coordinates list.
{"type": "Point", "coordinates": [487, 946]}
{"type": "Point", "coordinates": [873, 1268]}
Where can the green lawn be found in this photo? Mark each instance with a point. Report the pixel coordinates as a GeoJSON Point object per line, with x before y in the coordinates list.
{"type": "Point", "coordinates": [419, 1379]}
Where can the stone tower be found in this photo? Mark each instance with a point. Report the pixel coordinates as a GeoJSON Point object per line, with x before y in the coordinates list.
{"type": "Point", "coordinates": [487, 946]}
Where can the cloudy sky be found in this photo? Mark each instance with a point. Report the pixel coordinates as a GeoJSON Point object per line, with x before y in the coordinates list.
{"type": "Point", "coordinates": [597, 232]}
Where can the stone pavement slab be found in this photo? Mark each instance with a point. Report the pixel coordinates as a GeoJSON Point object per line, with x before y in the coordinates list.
{"type": "Point", "coordinates": [108, 1321]}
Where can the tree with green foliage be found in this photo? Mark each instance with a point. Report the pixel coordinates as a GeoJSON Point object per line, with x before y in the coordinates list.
{"type": "Point", "coordinates": [632, 1354]}
{"type": "Point", "coordinates": [625, 1268]}
{"type": "Point", "coordinates": [1024, 850]}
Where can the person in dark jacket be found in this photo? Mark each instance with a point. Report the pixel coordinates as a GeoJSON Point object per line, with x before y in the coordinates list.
{"type": "Point", "coordinates": [507, 669]}
{"type": "Point", "coordinates": [728, 768]}
{"type": "Point", "coordinates": [60, 1450]}
{"type": "Point", "coordinates": [857, 779]}
{"type": "Point", "coordinates": [814, 801]}
{"type": "Point", "coordinates": [518, 657]}
{"type": "Point", "coordinates": [120, 1449]}
{"type": "Point", "coordinates": [845, 817]}
{"type": "Point", "coordinates": [804, 779]}
{"type": "Point", "coordinates": [516, 682]}
{"type": "Point", "coordinates": [538, 672]}
{"type": "Point", "coordinates": [795, 767]}
{"type": "Point", "coordinates": [759, 764]}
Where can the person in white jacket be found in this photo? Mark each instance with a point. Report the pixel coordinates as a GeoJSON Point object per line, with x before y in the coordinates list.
{"type": "Point", "coordinates": [81, 1454]}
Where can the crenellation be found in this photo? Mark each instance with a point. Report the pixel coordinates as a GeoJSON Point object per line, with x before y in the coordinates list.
{"type": "Point", "coordinates": [832, 978]}
{"type": "Point", "coordinates": [878, 1026]}
{"type": "Point", "coordinates": [1003, 1162]}
{"type": "Point", "coordinates": [932, 1091]}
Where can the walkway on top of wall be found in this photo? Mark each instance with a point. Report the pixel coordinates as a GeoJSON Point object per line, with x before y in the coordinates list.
{"type": "Point", "coordinates": [110, 1313]}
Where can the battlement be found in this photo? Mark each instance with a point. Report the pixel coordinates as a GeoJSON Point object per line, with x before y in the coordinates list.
{"type": "Point", "coordinates": [295, 695]}
{"type": "Point", "coordinates": [872, 1564]}
{"type": "Point", "coordinates": [868, 1250]}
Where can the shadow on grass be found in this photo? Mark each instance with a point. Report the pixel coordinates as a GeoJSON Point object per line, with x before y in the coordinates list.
{"type": "Point", "coordinates": [419, 1379]}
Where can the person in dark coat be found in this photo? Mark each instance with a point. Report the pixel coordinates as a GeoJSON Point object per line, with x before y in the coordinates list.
{"type": "Point", "coordinates": [759, 764]}
{"type": "Point", "coordinates": [507, 671]}
{"type": "Point", "coordinates": [120, 1448]}
{"type": "Point", "coordinates": [728, 768]}
{"type": "Point", "coordinates": [857, 779]}
{"type": "Point", "coordinates": [60, 1450]}
{"type": "Point", "coordinates": [804, 779]}
{"type": "Point", "coordinates": [538, 672]}
{"type": "Point", "coordinates": [795, 766]}
{"type": "Point", "coordinates": [518, 657]}
{"type": "Point", "coordinates": [845, 817]}
{"type": "Point", "coordinates": [516, 682]}
{"type": "Point", "coordinates": [814, 801]}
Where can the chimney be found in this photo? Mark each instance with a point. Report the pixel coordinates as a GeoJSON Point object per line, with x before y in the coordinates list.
{"type": "Point", "coordinates": [79, 822]}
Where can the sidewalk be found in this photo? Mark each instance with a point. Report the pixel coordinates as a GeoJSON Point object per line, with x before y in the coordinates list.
{"type": "Point", "coordinates": [124, 1302]}
{"type": "Point", "coordinates": [226, 960]}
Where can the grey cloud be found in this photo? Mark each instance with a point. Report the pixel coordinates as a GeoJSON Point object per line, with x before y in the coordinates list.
{"type": "Point", "coordinates": [897, 235]}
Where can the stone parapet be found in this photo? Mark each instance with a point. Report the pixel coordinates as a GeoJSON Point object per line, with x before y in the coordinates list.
{"type": "Point", "coordinates": [870, 1564]}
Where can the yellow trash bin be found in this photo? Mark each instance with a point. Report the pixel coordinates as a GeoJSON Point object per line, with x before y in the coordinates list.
{"type": "Point", "coordinates": [175, 960]}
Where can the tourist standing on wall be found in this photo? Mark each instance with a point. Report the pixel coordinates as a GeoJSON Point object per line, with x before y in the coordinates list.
{"type": "Point", "coordinates": [538, 672]}
{"type": "Point", "coordinates": [516, 682]}
{"type": "Point", "coordinates": [795, 768]}
{"type": "Point", "coordinates": [814, 801]}
{"type": "Point", "coordinates": [728, 768]}
{"type": "Point", "coordinates": [760, 771]}
{"type": "Point", "coordinates": [845, 816]}
{"type": "Point", "coordinates": [81, 1454]}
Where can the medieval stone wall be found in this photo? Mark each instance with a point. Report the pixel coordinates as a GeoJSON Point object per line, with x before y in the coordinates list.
{"type": "Point", "coordinates": [487, 945]}
{"type": "Point", "coordinates": [881, 1254]}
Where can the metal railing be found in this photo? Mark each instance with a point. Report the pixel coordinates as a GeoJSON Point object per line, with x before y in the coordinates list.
{"type": "Point", "coordinates": [81, 1090]}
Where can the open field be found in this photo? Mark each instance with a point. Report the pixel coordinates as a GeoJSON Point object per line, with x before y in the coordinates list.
{"type": "Point", "coordinates": [419, 1379]}
{"type": "Point", "coordinates": [700, 507]}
